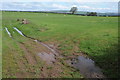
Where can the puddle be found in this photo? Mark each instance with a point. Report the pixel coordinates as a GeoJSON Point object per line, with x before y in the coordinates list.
{"type": "Point", "coordinates": [52, 50]}
{"type": "Point", "coordinates": [18, 31]}
{"type": "Point", "coordinates": [8, 32]}
{"type": "Point", "coordinates": [86, 67]}
{"type": "Point", "coordinates": [48, 57]}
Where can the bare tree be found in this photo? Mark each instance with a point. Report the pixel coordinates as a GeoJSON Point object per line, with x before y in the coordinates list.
{"type": "Point", "coordinates": [73, 10]}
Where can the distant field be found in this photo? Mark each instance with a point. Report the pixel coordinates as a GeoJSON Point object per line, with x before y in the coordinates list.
{"type": "Point", "coordinates": [95, 36]}
{"type": "Point", "coordinates": [0, 45]}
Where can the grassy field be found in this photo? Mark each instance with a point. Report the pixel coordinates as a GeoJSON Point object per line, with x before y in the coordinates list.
{"type": "Point", "coordinates": [95, 36]}
{"type": "Point", "coordinates": [0, 45]}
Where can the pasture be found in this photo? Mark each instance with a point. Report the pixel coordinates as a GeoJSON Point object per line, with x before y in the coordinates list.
{"type": "Point", "coordinates": [96, 37]}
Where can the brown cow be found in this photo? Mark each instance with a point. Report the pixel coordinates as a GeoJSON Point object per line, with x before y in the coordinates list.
{"type": "Point", "coordinates": [18, 19]}
{"type": "Point", "coordinates": [24, 21]}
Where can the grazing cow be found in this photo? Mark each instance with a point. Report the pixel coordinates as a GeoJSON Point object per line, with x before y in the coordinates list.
{"type": "Point", "coordinates": [18, 19]}
{"type": "Point", "coordinates": [24, 21]}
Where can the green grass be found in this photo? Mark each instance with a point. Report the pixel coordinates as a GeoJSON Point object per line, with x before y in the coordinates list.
{"type": "Point", "coordinates": [95, 36]}
{"type": "Point", "coordinates": [0, 45]}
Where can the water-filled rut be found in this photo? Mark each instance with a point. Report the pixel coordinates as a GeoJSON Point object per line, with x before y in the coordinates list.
{"type": "Point", "coordinates": [8, 32]}
{"type": "Point", "coordinates": [48, 57]}
{"type": "Point", "coordinates": [85, 65]}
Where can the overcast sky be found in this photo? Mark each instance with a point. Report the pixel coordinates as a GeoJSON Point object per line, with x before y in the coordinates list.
{"type": "Point", "coordinates": [47, 5]}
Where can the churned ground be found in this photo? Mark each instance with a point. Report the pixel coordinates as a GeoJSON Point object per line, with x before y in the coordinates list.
{"type": "Point", "coordinates": [96, 37]}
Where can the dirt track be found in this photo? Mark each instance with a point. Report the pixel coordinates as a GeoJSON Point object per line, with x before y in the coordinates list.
{"type": "Point", "coordinates": [35, 52]}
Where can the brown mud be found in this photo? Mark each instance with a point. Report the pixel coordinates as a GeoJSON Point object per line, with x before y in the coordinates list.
{"type": "Point", "coordinates": [49, 55]}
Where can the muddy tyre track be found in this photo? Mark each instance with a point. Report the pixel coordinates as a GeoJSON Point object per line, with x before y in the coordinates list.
{"type": "Point", "coordinates": [49, 55]}
{"type": "Point", "coordinates": [31, 58]}
{"type": "Point", "coordinates": [28, 55]}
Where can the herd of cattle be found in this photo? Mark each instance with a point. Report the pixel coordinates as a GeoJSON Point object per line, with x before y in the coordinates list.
{"type": "Point", "coordinates": [23, 21]}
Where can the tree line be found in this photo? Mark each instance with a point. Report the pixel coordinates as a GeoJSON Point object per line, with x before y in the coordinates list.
{"type": "Point", "coordinates": [73, 10]}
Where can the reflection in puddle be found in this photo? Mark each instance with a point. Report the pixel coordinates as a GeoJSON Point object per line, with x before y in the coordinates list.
{"type": "Point", "coordinates": [48, 57]}
{"type": "Point", "coordinates": [87, 67]}
{"type": "Point", "coordinates": [8, 32]}
{"type": "Point", "coordinates": [18, 31]}
{"type": "Point", "coordinates": [52, 50]}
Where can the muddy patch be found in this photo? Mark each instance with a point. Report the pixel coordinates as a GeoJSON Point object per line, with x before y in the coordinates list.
{"type": "Point", "coordinates": [49, 48]}
{"type": "Point", "coordinates": [28, 55]}
{"type": "Point", "coordinates": [52, 50]}
{"type": "Point", "coordinates": [86, 66]}
{"type": "Point", "coordinates": [47, 57]}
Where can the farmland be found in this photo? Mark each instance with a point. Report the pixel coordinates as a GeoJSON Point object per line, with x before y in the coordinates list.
{"type": "Point", "coordinates": [96, 37]}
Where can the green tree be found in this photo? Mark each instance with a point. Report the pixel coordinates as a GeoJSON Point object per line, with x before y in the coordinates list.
{"type": "Point", "coordinates": [91, 14]}
{"type": "Point", "coordinates": [73, 10]}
